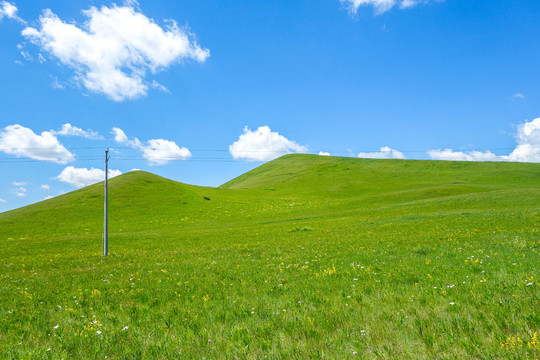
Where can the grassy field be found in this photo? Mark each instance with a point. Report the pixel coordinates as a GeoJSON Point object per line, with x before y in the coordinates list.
{"type": "Point", "coordinates": [303, 257]}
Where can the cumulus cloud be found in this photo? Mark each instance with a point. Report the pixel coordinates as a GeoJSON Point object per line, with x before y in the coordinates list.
{"type": "Point", "coordinates": [384, 153]}
{"type": "Point", "coordinates": [45, 187]}
{"type": "Point", "coordinates": [382, 6]}
{"type": "Point", "coordinates": [262, 145]}
{"type": "Point", "coordinates": [23, 142]}
{"type": "Point", "coordinates": [79, 177]}
{"type": "Point", "coordinates": [70, 130]}
{"type": "Point", "coordinates": [324, 153]}
{"type": "Point", "coordinates": [121, 137]}
{"type": "Point", "coordinates": [9, 10]}
{"type": "Point", "coordinates": [156, 151]}
{"type": "Point", "coordinates": [528, 142]}
{"type": "Point", "coordinates": [160, 151]}
{"type": "Point", "coordinates": [527, 149]}
{"type": "Point", "coordinates": [113, 50]}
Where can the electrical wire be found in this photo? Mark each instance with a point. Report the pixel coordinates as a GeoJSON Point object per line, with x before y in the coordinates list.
{"type": "Point", "coordinates": [37, 151]}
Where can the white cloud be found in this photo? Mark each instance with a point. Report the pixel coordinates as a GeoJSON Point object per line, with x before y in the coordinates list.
{"type": "Point", "coordinates": [324, 153]}
{"type": "Point", "coordinates": [449, 154]}
{"type": "Point", "coordinates": [160, 151]}
{"type": "Point", "coordinates": [9, 10]}
{"type": "Point", "coordinates": [156, 151]}
{"type": "Point", "coordinates": [45, 187]}
{"type": "Point", "coordinates": [121, 137]}
{"type": "Point", "coordinates": [17, 183]}
{"type": "Point", "coordinates": [528, 142]}
{"type": "Point", "coordinates": [527, 149]}
{"type": "Point", "coordinates": [518, 96]}
{"type": "Point", "coordinates": [70, 130]}
{"type": "Point", "coordinates": [26, 55]}
{"type": "Point", "coordinates": [21, 141]}
{"type": "Point", "coordinates": [131, 3]}
{"type": "Point", "coordinates": [79, 177]}
{"type": "Point", "coordinates": [382, 6]}
{"type": "Point", "coordinates": [408, 3]}
{"type": "Point", "coordinates": [20, 191]}
{"type": "Point", "coordinates": [48, 197]}
{"type": "Point", "coordinates": [2, 201]}
{"type": "Point", "coordinates": [55, 84]}
{"type": "Point", "coordinates": [262, 145]}
{"type": "Point", "coordinates": [384, 153]}
{"type": "Point", "coordinates": [112, 51]}
{"type": "Point", "coordinates": [160, 87]}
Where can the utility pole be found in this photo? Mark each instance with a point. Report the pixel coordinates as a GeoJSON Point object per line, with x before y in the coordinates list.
{"type": "Point", "coordinates": [105, 218]}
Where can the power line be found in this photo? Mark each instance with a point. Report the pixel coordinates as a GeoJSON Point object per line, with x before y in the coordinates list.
{"type": "Point", "coordinates": [259, 151]}
{"type": "Point", "coordinates": [20, 158]}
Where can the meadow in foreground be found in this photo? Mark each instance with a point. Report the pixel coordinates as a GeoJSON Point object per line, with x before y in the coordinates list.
{"type": "Point", "coordinates": [304, 257]}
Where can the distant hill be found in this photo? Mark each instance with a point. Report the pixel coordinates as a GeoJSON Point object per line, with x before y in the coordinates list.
{"type": "Point", "coordinates": [313, 173]}
{"type": "Point", "coordinates": [283, 188]}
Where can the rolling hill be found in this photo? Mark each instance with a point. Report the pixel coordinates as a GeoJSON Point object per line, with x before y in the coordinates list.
{"type": "Point", "coordinates": [304, 257]}
{"type": "Point", "coordinates": [283, 188]}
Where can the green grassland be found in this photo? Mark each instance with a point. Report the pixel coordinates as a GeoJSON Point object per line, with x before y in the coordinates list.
{"type": "Point", "coordinates": [303, 257]}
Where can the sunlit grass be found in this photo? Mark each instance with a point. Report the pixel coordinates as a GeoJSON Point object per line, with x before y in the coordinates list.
{"type": "Point", "coordinates": [315, 258]}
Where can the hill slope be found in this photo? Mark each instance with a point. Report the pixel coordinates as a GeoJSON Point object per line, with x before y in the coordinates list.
{"type": "Point", "coordinates": [313, 174]}
{"type": "Point", "coordinates": [284, 189]}
{"type": "Point", "coordinates": [303, 257]}
{"type": "Point", "coordinates": [136, 200]}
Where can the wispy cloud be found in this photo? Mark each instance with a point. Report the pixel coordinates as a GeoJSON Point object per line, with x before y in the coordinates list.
{"type": "Point", "coordinates": [160, 87]}
{"type": "Point", "coordinates": [70, 130]}
{"type": "Point", "coordinates": [382, 6]}
{"type": "Point", "coordinates": [263, 144]}
{"type": "Point", "coordinates": [115, 48]}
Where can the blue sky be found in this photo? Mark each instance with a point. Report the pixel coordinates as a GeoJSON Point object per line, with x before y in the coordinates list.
{"type": "Point", "coordinates": [203, 91]}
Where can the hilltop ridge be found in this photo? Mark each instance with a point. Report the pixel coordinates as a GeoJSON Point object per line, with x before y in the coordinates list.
{"type": "Point", "coordinates": [286, 188]}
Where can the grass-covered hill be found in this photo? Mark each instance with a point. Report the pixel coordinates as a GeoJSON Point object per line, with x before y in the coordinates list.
{"type": "Point", "coordinates": [303, 257]}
